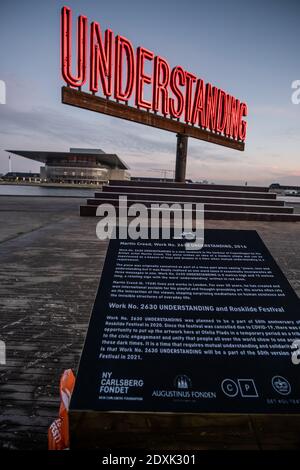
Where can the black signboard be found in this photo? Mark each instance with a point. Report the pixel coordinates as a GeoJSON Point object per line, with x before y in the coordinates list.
{"type": "Point", "coordinates": [191, 331]}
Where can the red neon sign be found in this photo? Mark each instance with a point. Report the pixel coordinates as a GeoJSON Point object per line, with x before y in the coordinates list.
{"type": "Point", "coordinates": [176, 93]}
{"type": "Point", "coordinates": [101, 60]}
{"type": "Point", "coordinates": [66, 48]}
{"type": "Point", "coordinates": [142, 78]}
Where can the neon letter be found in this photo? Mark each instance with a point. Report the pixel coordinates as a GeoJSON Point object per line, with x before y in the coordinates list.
{"type": "Point", "coordinates": [141, 77]}
{"type": "Point", "coordinates": [160, 84]}
{"type": "Point", "coordinates": [221, 114]}
{"type": "Point", "coordinates": [124, 45]}
{"type": "Point", "coordinates": [211, 106]}
{"type": "Point", "coordinates": [243, 124]}
{"type": "Point", "coordinates": [199, 104]}
{"type": "Point", "coordinates": [177, 79]}
{"type": "Point", "coordinates": [101, 60]}
{"type": "Point", "coordinates": [235, 118]}
{"type": "Point", "coordinates": [190, 79]}
{"type": "Point", "coordinates": [66, 48]}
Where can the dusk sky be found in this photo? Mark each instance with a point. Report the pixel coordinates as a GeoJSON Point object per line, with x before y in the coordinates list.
{"type": "Point", "coordinates": [250, 49]}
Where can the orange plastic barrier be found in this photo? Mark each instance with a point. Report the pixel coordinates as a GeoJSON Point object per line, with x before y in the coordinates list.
{"type": "Point", "coordinates": [58, 432]}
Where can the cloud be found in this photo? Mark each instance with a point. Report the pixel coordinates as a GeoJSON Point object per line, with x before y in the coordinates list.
{"type": "Point", "coordinates": [278, 111]}
{"type": "Point", "coordinates": [143, 148]}
{"type": "Point", "coordinates": [69, 128]}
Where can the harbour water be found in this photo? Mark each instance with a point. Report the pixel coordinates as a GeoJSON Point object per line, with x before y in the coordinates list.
{"type": "Point", "coordinates": [27, 190]}
{"type": "Point", "coordinates": [291, 199]}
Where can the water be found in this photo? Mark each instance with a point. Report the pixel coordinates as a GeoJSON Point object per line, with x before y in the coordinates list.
{"type": "Point", "coordinates": [291, 199]}
{"type": "Point", "coordinates": [19, 190]}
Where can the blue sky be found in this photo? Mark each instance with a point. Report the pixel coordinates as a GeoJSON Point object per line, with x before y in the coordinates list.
{"type": "Point", "coordinates": [250, 49]}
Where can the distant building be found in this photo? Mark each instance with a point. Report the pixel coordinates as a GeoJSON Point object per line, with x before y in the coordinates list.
{"type": "Point", "coordinates": [21, 176]}
{"type": "Point", "coordinates": [156, 180]}
{"type": "Point", "coordinates": [152, 179]}
{"type": "Point", "coordinates": [287, 190]}
{"type": "Point", "coordinates": [78, 166]}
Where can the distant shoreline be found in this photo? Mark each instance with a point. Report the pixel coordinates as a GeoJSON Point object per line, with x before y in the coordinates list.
{"type": "Point", "coordinates": [51, 185]}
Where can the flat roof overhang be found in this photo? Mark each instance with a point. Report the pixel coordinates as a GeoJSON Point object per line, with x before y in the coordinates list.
{"type": "Point", "coordinates": [110, 159]}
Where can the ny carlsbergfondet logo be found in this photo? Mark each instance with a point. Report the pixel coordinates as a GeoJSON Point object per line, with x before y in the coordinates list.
{"type": "Point", "coordinates": [119, 388]}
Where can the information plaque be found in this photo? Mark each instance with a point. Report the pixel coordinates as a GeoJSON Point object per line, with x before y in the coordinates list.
{"type": "Point", "coordinates": [204, 331]}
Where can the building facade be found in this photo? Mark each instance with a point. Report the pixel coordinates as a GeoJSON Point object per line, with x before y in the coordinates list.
{"type": "Point", "coordinates": [79, 166]}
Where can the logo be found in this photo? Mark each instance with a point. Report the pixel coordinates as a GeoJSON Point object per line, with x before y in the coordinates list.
{"type": "Point", "coordinates": [183, 390]}
{"type": "Point", "coordinates": [296, 352]}
{"type": "Point", "coordinates": [182, 382]}
{"type": "Point", "coordinates": [2, 353]}
{"type": "Point", "coordinates": [281, 385]}
{"type": "Point", "coordinates": [246, 388]}
{"type": "Point", "coordinates": [296, 94]}
{"type": "Point", "coordinates": [230, 388]}
{"type": "Point", "coordinates": [2, 92]}
{"type": "Point", "coordinates": [152, 222]}
{"type": "Point", "coordinates": [119, 388]}
{"type": "Point", "coordinates": [188, 235]}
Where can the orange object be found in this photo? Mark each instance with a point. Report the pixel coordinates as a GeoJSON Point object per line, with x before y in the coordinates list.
{"type": "Point", "coordinates": [58, 432]}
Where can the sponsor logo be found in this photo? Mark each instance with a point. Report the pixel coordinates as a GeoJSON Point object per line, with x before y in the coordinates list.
{"type": "Point", "coordinates": [183, 385]}
{"type": "Point", "coordinates": [182, 382]}
{"type": "Point", "coordinates": [244, 388]}
{"type": "Point", "coordinates": [281, 385]}
{"type": "Point", "coordinates": [112, 388]}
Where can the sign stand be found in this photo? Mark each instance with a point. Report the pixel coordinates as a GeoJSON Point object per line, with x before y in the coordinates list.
{"type": "Point", "coordinates": [181, 155]}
